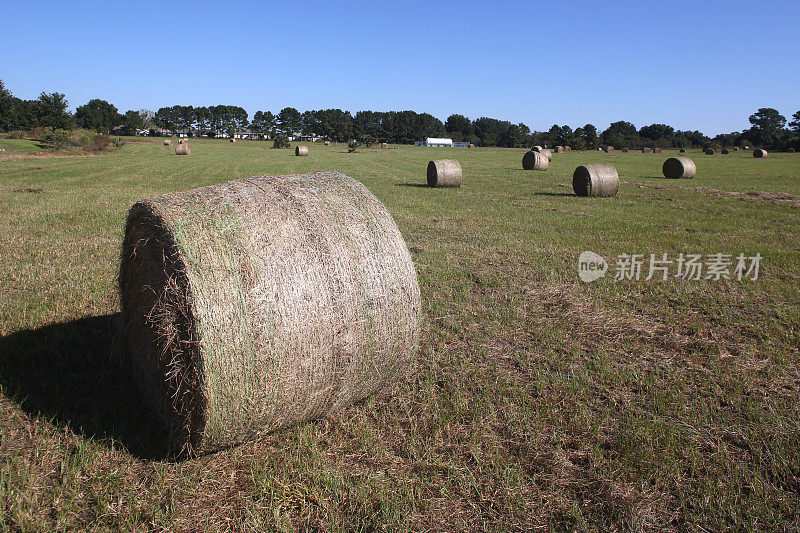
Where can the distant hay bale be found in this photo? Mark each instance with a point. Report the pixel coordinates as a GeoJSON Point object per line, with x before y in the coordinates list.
{"type": "Point", "coordinates": [724, 151]}
{"type": "Point", "coordinates": [536, 148]}
{"type": "Point", "coordinates": [790, 150]}
{"type": "Point", "coordinates": [600, 179]}
{"type": "Point", "coordinates": [568, 148]}
{"type": "Point", "coordinates": [647, 150]}
{"type": "Point", "coordinates": [233, 140]}
{"type": "Point", "coordinates": [264, 302]}
{"type": "Point", "coordinates": [472, 145]}
{"type": "Point", "coordinates": [656, 150]}
{"type": "Point", "coordinates": [679, 168]}
{"type": "Point", "coordinates": [682, 150]}
{"type": "Point", "coordinates": [759, 153]}
{"type": "Point", "coordinates": [535, 161]}
{"type": "Point", "coordinates": [746, 147]}
{"type": "Point", "coordinates": [167, 142]}
{"type": "Point", "coordinates": [609, 149]}
{"type": "Point", "coordinates": [183, 149]}
{"type": "Point", "coordinates": [625, 150]}
{"type": "Point", "coordinates": [444, 173]}
{"type": "Point", "coordinates": [384, 145]}
{"type": "Point", "coordinates": [560, 149]}
{"type": "Point", "coordinates": [327, 143]}
{"type": "Point", "coordinates": [710, 151]}
{"type": "Point", "coordinates": [301, 150]}
{"type": "Point", "coordinates": [736, 149]}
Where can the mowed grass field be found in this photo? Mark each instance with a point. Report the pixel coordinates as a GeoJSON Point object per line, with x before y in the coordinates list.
{"type": "Point", "coordinates": [537, 402]}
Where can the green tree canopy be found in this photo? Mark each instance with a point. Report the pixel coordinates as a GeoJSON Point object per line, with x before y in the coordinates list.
{"type": "Point", "coordinates": [97, 115]}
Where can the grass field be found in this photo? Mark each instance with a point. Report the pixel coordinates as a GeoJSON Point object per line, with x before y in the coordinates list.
{"type": "Point", "coordinates": [537, 402]}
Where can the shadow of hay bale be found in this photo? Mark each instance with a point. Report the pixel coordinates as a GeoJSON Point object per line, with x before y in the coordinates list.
{"type": "Point", "coordinates": [73, 374]}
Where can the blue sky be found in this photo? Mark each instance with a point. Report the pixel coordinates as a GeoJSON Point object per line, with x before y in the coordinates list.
{"type": "Point", "coordinates": [703, 65]}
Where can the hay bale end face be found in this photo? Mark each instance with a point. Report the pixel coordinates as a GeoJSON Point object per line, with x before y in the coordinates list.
{"type": "Point", "coordinates": [444, 173]}
{"type": "Point", "coordinates": [601, 180]}
{"type": "Point", "coordinates": [301, 150]}
{"type": "Point", "coordinates": [679, 168]}
{"type": "Point", "coordinates": [167, 142]}
{"type": "Point", "coordinates": [183, 149]}
{"type": "Point", "coordinates": [535, 161]}
{"type": "Point", "coordinates": [759, 153]}
{"type": "Point", "coordinates": [261, 303]}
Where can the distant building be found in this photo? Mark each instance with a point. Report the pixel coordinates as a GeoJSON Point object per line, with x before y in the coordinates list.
{"type": "Point", "coordinates": [435, 141]}
{"type": "Point", "coordinates": [251, 135]}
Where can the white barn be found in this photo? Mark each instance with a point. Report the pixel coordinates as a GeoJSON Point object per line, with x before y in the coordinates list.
{"type": "Point", "coordinates": [433, 141]}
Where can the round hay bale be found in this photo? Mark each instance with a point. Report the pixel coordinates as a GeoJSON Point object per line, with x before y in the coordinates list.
{"type": "Point", "coordinates": [790, 150]}
{"type": "Point", "coordinates": [183, 149]}
{"type": "Point", "coordinates": [710, 151]}
{"type": "Point", "coordinates": [625, 150]}
{"type": "Point", "coordinates": [547, 153]}
{"type": "Point", "coordinates": [736, 149]}
{"type": "Point", "coordinates": [301, 150]}
{"type": "Point", "coordinates": [472, 145]}
{"type": "Point", "coordinates": [679, 168]}
{"type": "Point", "coordinates": [568, 148]}
{"type": "Point", "coordinates": [724, 151]}
{"type": "Point", "coordinates": [444, 173]}
{"type": "Point", "coordinates": [600, 179]}
{"type": "Point", "coordinates": [746, 147]}
{"type": "Point", "coordinates": [536, 148]}
{"type": "Point", "coordinates": [384, 145]}
{"type": "Point", "coordinates": [167, 142]}
{"type": "Point", "coordinates": [535, 161]}
{"type": "Point", "coordinates": [560, 149]}
{"type": "Point", "coordinates": [609, 149]}
{"type": "Point", "coordinates": [656, 150]}
{"type": "Point", "coordinates": [647, 150]}
{"type": "Point", "coordinates": [682, 150]}
{"type": "Point", "coordinates": [233, 140]}
{"type": "Point", "coordinates": [759, 153]}
{"type": "Point", "coordinates": [327, 143]}
{"type": "Point", "coordinates": [264, 302]}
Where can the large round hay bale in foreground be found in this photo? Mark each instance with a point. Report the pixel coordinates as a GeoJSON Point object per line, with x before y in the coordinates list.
{"type": "Point", "coordinates": [260, 303]}
{"type": "Point", "coordinates": [560, 149]}
{"type": "Point", "coordinates": [647, 150]}
{"type": "Point", "coordinates": [600, 179]}
{"type": "Point", "coordinates": [609, 149]}
{"type": "Point", "coordinates": [444, 173]}
{"type": "Point", "coordinates": [679, 168]}
{"type": "Point", "coordinates": [301, 150]}
{"type": "Point", "coordinates": [167, 142]}
{"type": "Point", "coordinates": [710, 151]}
{"type": "Point", "coordinates": [535, 161]}
{"type": "Point", "coordinates": [183, 149]}
{"type": "Point", "coordinates": [759, 153]}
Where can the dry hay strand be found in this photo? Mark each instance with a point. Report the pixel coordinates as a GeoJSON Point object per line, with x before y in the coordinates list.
{"type": "Point", "coordinates": [679, 168]}
{"type": "Point", "coordinates": [682, 150]}
{"type": "Point", "coordinates": [759, 153]}
{"type": "Point", "coordinates": [444, 173]}
{"type": "Point", "coordinates": [568, 148]}
{"type": "Point", "coordinates": [600, 180]}
{"type": "Point", "coordinates": [609, 149]}
{"type": "Point", "coordinates": [560, 149]}
{"type": "Point", "coordinates": [183, 149]}
{"type": "Point", "coordinates": [656, 150]}
{"type": "Point", "coordinates": [535, 161]}
{"type": "Point", "coordinates": [710, 151]}
{"type": "Point", "coordinates": [167, 142]}
{"type": "Point", "coordinates": [647, 150]}
{"type": "Point", "coordinates": [264, 302]}
{"type": "Point", "coordinates": [301, 150]}
{"type": "Point", "coordinates": [384, 145]}
{"type": "Point", "coordinates": [724, 151]}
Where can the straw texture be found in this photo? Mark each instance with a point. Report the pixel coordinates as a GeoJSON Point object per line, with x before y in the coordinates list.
{"type": "Point", "coordinates": [535, 161]}
{"type": "Point", "coordinates": [301, 150]}
{"type": "Point", "coordinates": [444, 173]}
{"type": "Point", "coordinates": [183, 149]}
{"type": "Point", "coordinates": [600, 179]}
{"type": "Point", "coordinates": [679, 168]}
{"type": "Point", "coordinates": [264, 302]}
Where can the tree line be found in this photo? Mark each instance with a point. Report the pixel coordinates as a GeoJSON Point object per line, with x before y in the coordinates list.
{"type": "Point", "coordinates": [769, 129]}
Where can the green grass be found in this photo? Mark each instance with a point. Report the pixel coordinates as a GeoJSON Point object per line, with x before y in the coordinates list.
{"type": "Point", "coordinates": [536, 400]}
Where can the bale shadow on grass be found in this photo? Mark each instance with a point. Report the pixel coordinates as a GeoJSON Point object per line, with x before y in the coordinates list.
{"type": "Point", "coordinates": [73, 374]}
{"type": "Point", "coordinates": [412, 185]}
{"type": "Point", "coordinates": [553, 194]}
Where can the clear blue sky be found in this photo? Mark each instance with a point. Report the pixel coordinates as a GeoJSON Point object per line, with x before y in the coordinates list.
{"type": "Point", "coordinates": [703, 65]}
